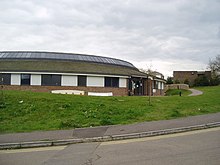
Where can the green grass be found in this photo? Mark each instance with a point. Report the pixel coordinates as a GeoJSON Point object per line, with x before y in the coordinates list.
{"type": "Point", "coordinates": [173, 92]}
{"type": "Point", "coordinates": [24, 111]}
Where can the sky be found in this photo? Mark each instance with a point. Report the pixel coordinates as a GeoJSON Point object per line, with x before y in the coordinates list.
{"type": "Point", "coordinates": [161, 35]}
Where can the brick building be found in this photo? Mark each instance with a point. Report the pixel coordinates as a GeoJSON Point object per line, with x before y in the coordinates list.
{"type": "Point", "coordinates": [50, 71]}
{"type": "Point", "coordinates": [190, 76]}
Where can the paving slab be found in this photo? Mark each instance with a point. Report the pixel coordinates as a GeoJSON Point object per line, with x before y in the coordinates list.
{"type": "Point", "coordinates": [35, 136]}
{"type": "Point", "coordinates": [90, 132]}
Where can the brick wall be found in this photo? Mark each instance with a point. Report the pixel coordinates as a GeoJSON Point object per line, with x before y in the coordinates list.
{"type": "Point", "coordinates": [115, 91]}
{"type": "Point", "coordinates": [159, 92]}
{"type": "Point", "coordinates": [181, 76]}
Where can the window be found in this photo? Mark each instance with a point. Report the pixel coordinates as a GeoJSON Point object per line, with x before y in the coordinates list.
{"type": "Point", "coordinates": [5, 79]}
{"type": "Point", "coordinates": [51, 80]}
{"type": "Point", "coordinates": [111, 82]}
{"type": "Point", "coordinates": [82, 81]}
{"type": "Point", "coordinates": [156, 85]}
{"type": "Point", "coordinates": [25, 79]}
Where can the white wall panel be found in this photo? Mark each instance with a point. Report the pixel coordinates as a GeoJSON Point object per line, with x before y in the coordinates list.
{"type": "Point", "coordinates": [122, 82]}
{"type": "Point", "coordinates": [162, 85]}
{"type": "Point", "coordinates": [15, 79]}
{"type": "Point", "coordinates": [35, 79]}
{"type": "Point", "coordinates": [95, 81]}
{"type": "Point", "coordinates": [68, 80]}
{"type": "Point", "coordinates": [159, 85]}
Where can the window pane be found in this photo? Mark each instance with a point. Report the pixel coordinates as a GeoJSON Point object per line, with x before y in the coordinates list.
{"type": "Point", "coordinates": [111, 82]}
{"type": "Point", "coordinates": [5, 79]}
{"type": "Point", "coordinates": [82, 81]}
{"type": "Point", "coordinates": [115, 82]}
{"type": "Point", "coordinates": [51, 80]}
{"type": "Point", "coordinates": [25, 79]}
{"type": "Point", "coordinates": [56, 80]}
{"type": "Point", "coordinates": [107, 82]}
{"type": "Point", "coordinates": [45, 79]}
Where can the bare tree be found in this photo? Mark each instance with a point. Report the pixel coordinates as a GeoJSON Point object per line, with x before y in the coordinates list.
{"type": "Point", "coordinates": [214, 65]}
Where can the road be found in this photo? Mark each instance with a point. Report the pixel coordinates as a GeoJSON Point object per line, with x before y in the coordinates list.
{"type": "Point", "coordinates": [198, 147]}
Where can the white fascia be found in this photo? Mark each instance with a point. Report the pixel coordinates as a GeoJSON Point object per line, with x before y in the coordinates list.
{"type": "Point", "coordinates": [69, 74]}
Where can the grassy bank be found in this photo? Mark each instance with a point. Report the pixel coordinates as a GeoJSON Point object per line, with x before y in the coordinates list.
{"type": "Point", "coordinates": [176, 92]}
{"type": "Point", "coordinates": [28, 111]}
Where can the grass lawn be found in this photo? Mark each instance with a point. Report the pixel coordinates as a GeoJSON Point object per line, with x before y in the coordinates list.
{"type": "Point", "coordinates": [28, 111]}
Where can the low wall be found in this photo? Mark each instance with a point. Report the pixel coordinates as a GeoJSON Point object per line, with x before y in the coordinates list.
{"type": "Point", "coordinates": [177, 86]}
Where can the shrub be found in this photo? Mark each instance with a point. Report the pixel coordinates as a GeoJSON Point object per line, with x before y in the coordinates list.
{"type": "Point", "coordinates": [186, 81]}
{"type": "Point", "coordinates": [201, 81]}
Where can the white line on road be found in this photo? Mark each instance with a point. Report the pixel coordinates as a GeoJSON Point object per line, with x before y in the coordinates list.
{"type": "Point", "coordinates": [159, 137]}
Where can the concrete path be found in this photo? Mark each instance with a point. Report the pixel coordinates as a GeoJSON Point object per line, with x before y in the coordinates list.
{"type": "Point", "coordinates": [195, 92]}
{"type": "Point", "coordinates": [111, 131]}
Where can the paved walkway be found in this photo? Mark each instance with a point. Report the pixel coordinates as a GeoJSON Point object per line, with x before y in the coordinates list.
{"type": "Point", "coordinates": [195, 92]}
{"type": "Point", "coordinates": [109, 130]}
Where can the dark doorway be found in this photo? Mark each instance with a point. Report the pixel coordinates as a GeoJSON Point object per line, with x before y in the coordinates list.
{"type": "Point", "coordinates": [137, 86]}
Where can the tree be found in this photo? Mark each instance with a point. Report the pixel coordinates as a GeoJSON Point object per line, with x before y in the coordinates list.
{"type": "Point", "coordinates": [150, 73]}
{"type": "Point", "coordinates": [214, 65]}
{"type": "Point", "coordinates": [186, 81]}
{"type": "Point", "coordinates": [169, 80]}
{"type": "Point", "coordinates": [201, 81]}
{"type": "Point", "coordinates": [176, 81]}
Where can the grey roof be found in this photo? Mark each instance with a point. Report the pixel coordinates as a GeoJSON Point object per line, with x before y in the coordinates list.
{"type": "Point", "coordinates": [31, 55]}
{"type": "Point", "coordinates": [24, 61]}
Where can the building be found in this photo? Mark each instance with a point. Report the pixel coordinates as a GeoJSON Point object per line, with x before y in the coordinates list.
{"type": "Point", "coordinates": [158, 83]}
{"type": "Point", "coordinates": [189, 77]}
{"type": "Point", "coordinates": [49, 71]}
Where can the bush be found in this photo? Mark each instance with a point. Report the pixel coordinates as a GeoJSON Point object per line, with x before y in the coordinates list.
{"type": "Point", "coordinates": [169, 80]}
{"type": "Point", "coordinates": [176, 82]}
{"type": "Point", "coordinates": [186, 81]}
{"type": "Point", "coordinates": [215, 81]}
{"type": "Point", "coordinates": [201, 81]}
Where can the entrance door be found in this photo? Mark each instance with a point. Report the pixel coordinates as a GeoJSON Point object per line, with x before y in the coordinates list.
{"type": "Point", "coordinates": [137, 86]}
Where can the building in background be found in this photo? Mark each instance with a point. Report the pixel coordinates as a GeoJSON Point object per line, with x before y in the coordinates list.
{"type": "Point", "coordinates": [50, 71]}
{"type": "Point", "coordinates": [189, 77]}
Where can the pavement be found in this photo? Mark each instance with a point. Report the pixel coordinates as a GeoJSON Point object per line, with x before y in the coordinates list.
{"type": "Point", "coordinates": [195, 92]}
{"type": "Point", "coordinates": [108, 133]}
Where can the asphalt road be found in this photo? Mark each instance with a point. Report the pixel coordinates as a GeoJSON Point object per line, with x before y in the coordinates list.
{"type": "Point", "coordinates": [199, 147]}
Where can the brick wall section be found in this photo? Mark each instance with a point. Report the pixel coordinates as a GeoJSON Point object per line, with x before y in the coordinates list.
{"type": "Point", "coordinates": [159, 92]}
{"type": "Point", "coordinates": [115, 91]}
{"type": "Point", "coordinates": [183, 75]}
{"type": "Point", "coordinates": [177, 86]}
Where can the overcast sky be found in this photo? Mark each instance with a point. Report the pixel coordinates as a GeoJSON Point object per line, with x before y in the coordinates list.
{"type": "Point", "coordinates": [164, 35]}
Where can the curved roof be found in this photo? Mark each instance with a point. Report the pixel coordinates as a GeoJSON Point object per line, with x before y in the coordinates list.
{"type": "Point", "coordinates": [31, 55]}
{"type": "Point", "coordinates": [65, 63]}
